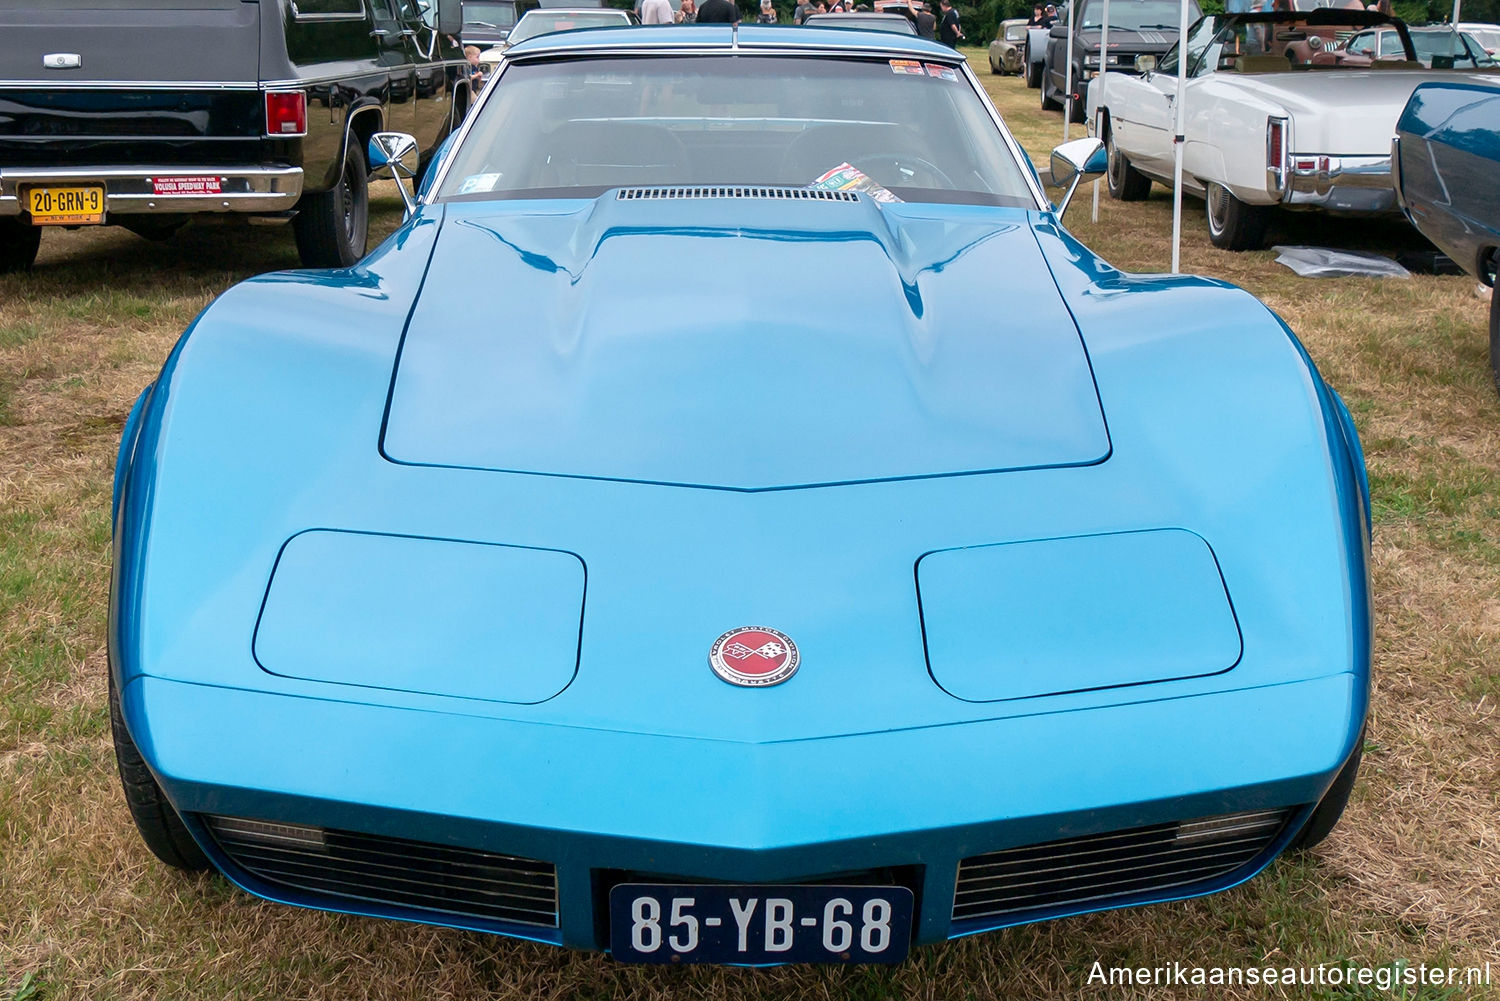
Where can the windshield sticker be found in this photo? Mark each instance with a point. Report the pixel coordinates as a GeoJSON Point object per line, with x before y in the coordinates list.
{"type": "Point", "coordinates": [942, 72]}
{"type": "Point", "coordinates": [909, 67]}
{"type": "Point", "coordinates": [847, 177]}
{"type": "Point", "coordinates": [479, 182]}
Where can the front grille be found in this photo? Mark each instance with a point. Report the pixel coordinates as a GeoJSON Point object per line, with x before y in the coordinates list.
{"type": "Point", "coordinates": [737, 191]}
{"type": "Point", "coordinates": [404, 874]}
{"type": "Point", "coordinates": [1101, 868]}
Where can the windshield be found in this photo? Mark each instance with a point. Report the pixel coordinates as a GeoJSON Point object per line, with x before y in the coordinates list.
{"type": "Point", "coordinates": [1133, 15]}
{"type": "Point", "coordinates": [894, 22]}
{"type": "Point", "coordinates": [1267, 45]}
{"type": "Point", "coordinates": [576, 128]}
{"type": "Point", "coordinates": [544, 22]}
{"type": "Point", "coordinates": [1462, 49]}
{"type": "Point", "coordinates": [1488, 38]}
{"type": "Point", "coordinates": [490, 14]}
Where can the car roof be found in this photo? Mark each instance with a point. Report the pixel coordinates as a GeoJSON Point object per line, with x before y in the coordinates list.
{"type": "Point", "coordinates": [667, 38]}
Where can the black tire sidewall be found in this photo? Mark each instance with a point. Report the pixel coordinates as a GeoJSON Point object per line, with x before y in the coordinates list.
{"type": "Point", "coordinates": [325, 238]}
{"type": "Point", "coordinates": [356, 180]}
{"type": "Point", "coordinates": [156, 819]}
{"type": "Point", "coordinates": [19, 243]}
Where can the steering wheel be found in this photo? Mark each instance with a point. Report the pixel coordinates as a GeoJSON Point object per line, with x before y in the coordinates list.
{"type": "Point", "coordinates": [899, 162]}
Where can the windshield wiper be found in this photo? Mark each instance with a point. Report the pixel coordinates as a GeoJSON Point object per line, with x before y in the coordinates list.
{"type": "Point", "coordinates": [1151, 26]}
{"type": "Point", "coordinates": [481, 24]}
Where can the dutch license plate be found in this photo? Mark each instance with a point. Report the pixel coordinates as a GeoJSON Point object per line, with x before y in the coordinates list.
{"type": "Point", "coordinates": [757, 925]}
{"type": "Point", "coordinates": [66, 205]}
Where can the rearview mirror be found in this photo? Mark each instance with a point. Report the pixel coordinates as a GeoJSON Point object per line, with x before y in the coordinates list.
{"type": "Point", "coordinates": [450, 17]}
{"type": "Point", "coordinates": [398, 153]}
{"type": "Point", "coordinates": [1145, 64]}
{"type": "Point", "coordinates": [1075, 162]}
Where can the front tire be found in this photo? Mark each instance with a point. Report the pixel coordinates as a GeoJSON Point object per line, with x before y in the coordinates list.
{"type": "Point", "coordinates": [1331, 807]}
{"type": "Point", "coordinates": [1125, 183]}
{"type": "Point", "coordinates": [1232, 224]}
{"type": "Point", "coordinates": [157, 819]}
{"type": "Point", "coordinates": [333, 227]}
{"type": "Point", "coordinates": [18, 245]}
{"type": "Point", "coordinates": [1080, 106]}
{"type": "Point", "coordinates": [1049, 103]}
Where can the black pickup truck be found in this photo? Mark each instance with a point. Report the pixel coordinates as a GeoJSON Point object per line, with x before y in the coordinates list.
{"type": "Point", "coordinates": [150, 113]}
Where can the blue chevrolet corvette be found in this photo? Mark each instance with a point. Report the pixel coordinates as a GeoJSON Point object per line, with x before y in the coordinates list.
{"type": "Point", "coordinates": [817, 552]}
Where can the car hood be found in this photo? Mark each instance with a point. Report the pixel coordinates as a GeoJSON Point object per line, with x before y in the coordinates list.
{"type": "Point", "coordinates": [741, 343]}
{"type": "Point", "coordinates": [1128, 40]}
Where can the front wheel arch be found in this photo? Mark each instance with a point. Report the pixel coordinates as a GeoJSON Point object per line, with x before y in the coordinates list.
{"type": "Point", "coordinates": [361, 123]}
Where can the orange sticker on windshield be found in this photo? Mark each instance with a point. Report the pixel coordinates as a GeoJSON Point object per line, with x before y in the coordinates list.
{"type": "Point", "coordinates": [942, 72]}
{"type": "Point", "coordinates": [907, 66]}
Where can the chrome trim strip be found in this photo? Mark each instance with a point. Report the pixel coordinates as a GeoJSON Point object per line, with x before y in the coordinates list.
{"type": "Point", "coordinates": [124, 85]}
{"type": "Point", "coordinates": [129, 190]}
{"type": "Point", "coordinates": [368, 71]}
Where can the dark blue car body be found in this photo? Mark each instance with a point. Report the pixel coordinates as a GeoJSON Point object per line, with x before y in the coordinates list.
{"type": "Point", "coordinates": [1446, 158]}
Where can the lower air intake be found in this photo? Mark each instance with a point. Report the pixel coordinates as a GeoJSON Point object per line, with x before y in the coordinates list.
{"type": "Point", "coordinates": [1101, 868]}
{"type": "Point", "coordinates": [412, 875]}
{"type": "Point", "coordinates": [737, 191]}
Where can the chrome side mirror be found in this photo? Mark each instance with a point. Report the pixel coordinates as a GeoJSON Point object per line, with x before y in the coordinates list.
{"type": "Point", "coordinates": [1075, 162]}
{"type": "Point", "coordinates": [398, 153]}
{"type": "Point", "coordinates": [1145, 64]}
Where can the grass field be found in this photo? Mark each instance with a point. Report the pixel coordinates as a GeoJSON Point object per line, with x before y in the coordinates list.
{"type": "Point", "coordinates": [1411, 876]}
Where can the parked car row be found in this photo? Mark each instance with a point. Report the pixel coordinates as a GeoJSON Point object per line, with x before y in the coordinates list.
{"type": "Point", "coordinates": [1287, 110]}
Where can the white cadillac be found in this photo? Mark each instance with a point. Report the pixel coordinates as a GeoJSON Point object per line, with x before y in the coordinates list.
{"type": "Point", "coordinates": [1277, 113]}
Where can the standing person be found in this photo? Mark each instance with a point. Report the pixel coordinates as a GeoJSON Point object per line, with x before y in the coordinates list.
{"type": "Point", "coordinates": [926, 21]}
{"type": "Point", "coordinates": [687, 13]}
{"type": "Point", "coordinates": [473, 74]}
{"type": "Point", "coordinates": [800, 12]}
{"type": "Point", "coordinates": [719, 12]}
{"type": "Point", "coordinates": [1038, 19]}
{"type": "Point", "coordinates": [950, 32]}
{"type": "Point", "coordinates": [767, 13]}
{"type": "Point", "coordinates": [656, 12]}
{"type": "Point", "coordinates": [1049, 16]}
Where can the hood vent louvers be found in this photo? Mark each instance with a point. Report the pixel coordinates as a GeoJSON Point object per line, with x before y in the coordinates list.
{"type": "Point", "coordinates": [736, 191]}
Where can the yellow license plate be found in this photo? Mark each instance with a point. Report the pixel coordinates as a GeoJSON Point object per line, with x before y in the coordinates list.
{"type": "Point", "coordinates": [66, 205]}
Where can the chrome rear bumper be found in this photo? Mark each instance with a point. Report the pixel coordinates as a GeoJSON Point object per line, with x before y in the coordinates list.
{"type": "Point", "coordinates": [135, 190]}
{"type": "Point", "coordinates": [1353, 184]}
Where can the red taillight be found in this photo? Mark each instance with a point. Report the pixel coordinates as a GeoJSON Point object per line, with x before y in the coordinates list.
{"type": "Point", "coordinates": [286, 113]}
{"type": "Point", "coordinates": [1276, 143]}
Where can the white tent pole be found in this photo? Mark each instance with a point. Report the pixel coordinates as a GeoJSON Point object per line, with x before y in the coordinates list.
{"type": "Point", "coordinates": [1457, 7]}
{"type": "Point", "coordinates": [1103, 71]}
{"type": "Point", "coordinates": [1178, 122]}
{"type": "Point", "coordinates": [1068, 74]}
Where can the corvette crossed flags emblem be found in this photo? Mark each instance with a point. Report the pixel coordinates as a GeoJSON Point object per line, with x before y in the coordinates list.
{"type": "Point", "coordinates": [754, 656]}
{"type": "Point", "coordinates": [740, 651]}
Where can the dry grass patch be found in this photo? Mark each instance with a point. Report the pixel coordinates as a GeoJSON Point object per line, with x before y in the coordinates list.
{"type": "Point", "coordinates": [1410, 875]}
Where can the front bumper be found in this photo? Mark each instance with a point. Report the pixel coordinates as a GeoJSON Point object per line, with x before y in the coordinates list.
{"type": "Point", "coordinates": [593, 803]}
{"type": "Point", "coordinates": [1345, 184]}
{"type": "Point", "coordinates": [133, 190]}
